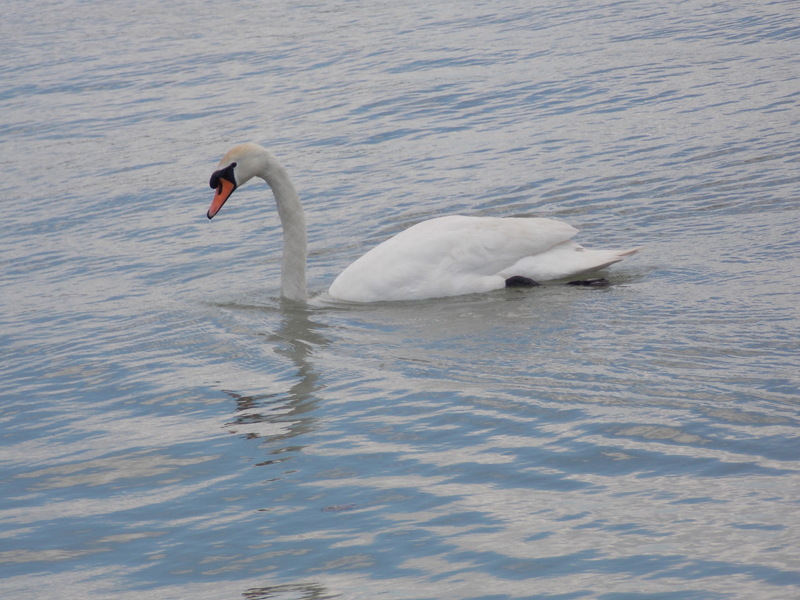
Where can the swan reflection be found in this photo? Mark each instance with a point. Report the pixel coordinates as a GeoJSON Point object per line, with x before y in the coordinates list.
{"type": "Point", "coordinates": [277, 416]}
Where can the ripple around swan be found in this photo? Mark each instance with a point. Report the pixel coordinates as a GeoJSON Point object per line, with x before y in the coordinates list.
{"type": "Point", "coordinates": [170, 427]}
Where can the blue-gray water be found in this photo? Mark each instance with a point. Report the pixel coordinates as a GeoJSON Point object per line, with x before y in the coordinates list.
{"type": "Point", "coordinates": [171, 430]}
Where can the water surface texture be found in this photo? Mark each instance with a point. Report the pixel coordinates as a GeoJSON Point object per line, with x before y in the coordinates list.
{"type": "Point", "coordinates": [172, 430]}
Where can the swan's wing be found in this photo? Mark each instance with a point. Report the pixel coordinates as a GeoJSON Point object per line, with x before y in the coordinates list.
{"type": "Point", "coordinates": [447, 256]}
{"type": "Point", "coordinates": [486, 245]}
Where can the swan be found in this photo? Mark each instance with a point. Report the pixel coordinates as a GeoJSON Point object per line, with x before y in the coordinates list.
{"type": "Point", "coordinates": [443, 256]}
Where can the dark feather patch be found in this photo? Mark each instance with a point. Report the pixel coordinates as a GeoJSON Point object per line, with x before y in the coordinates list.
{"type": "Point", "coordinates": [226, 173]}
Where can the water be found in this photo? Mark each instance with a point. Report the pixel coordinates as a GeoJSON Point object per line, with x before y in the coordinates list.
{"type": "Point", "coordinates": [170, 429]}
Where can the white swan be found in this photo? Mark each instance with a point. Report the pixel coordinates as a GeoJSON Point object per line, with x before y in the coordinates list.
{"type": "Point", "coordinates": [445, 256]}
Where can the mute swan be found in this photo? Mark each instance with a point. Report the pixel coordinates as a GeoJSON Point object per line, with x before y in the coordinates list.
{"type": "Point", "coordinates": [444, 256]}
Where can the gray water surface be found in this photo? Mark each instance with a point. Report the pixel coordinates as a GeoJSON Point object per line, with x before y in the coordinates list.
{"type": "Point", "coordinates": [172, 429]}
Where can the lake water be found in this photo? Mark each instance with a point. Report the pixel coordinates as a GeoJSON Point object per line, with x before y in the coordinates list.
{"type": "Point", "coordinates": [171, 429]}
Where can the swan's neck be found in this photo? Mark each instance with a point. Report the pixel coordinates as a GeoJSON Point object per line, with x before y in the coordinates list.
{"type": "Point", "coordinates": [293, 221]}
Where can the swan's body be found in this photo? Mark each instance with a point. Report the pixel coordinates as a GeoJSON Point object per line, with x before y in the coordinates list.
{"type": "Point", "coordinates": [446, 256]}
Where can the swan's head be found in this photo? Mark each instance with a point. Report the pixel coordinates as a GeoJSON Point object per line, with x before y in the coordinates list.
{"type": "Point", "coordinates": [240, 164]}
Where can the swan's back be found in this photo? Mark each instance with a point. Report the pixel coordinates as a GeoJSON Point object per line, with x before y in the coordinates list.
{"type": "Point", "coordinates": [447, 256]}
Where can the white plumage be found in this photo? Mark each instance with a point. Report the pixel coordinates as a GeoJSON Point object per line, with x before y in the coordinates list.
{"type": "Point", "coordinates": [445, 256]}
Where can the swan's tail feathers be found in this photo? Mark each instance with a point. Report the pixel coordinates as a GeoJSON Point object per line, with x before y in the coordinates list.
{"type": "Point", "coordinates": [564, 260]}
{"type": "Point", "coordinates": [616, 255]}
{"type": "Point", "coordinates": [630, 251]}
{"type": "Point", "coordinates": [605, 258]}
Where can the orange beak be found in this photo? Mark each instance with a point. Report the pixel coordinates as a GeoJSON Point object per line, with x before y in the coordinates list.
{"type": "Point", "coordinates": [224, 191]}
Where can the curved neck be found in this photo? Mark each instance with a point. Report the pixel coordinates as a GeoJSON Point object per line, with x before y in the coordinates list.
{"type": "Point", "coordinates": [293, 221]}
